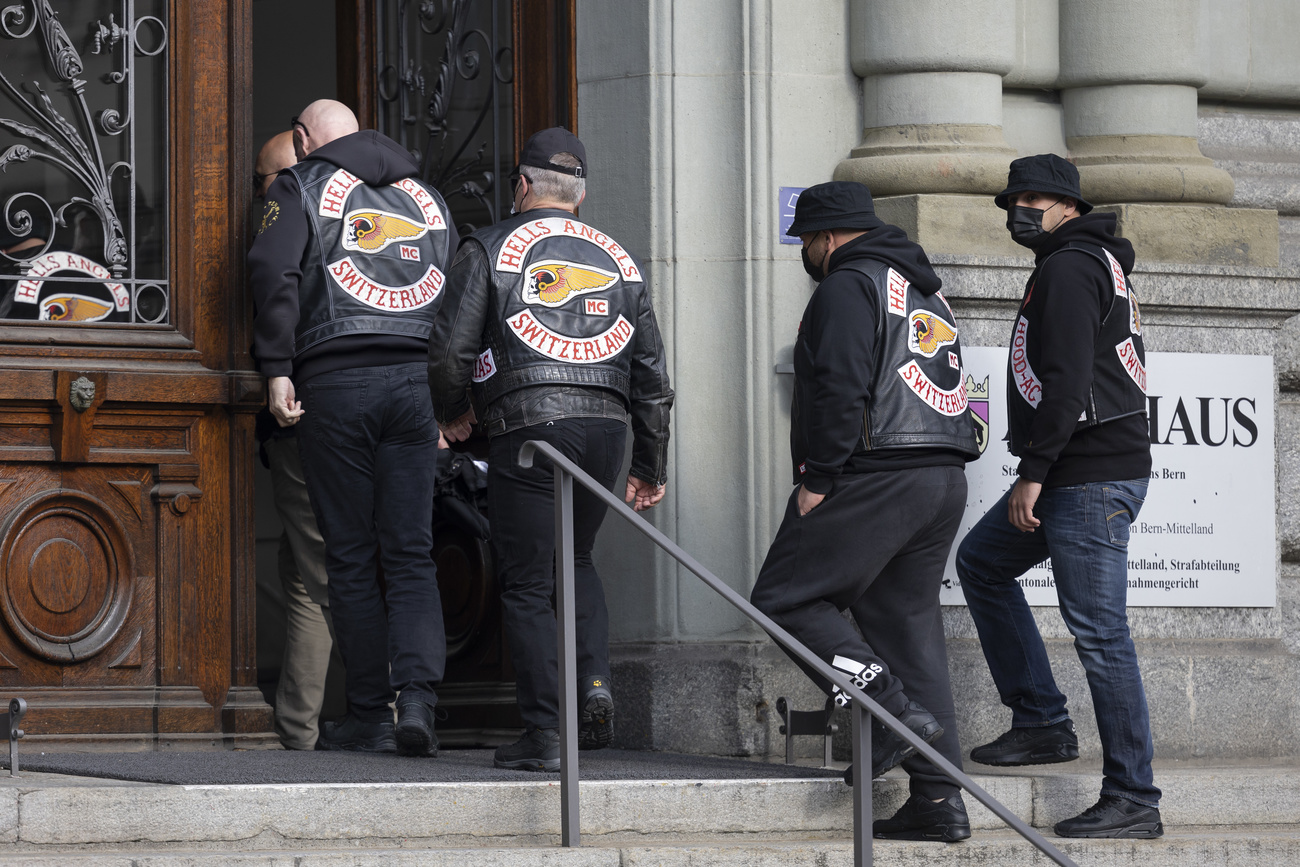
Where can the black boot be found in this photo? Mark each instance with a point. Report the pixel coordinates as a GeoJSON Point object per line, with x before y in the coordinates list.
{"type": "Point", "coordinates": [596, 714]}
{"type": "Point", "coordinates": [356, 736]}
{"type": "Point", "coordinates": [414, 730]}
{"type": "Point", "coordinates": [923, 819]}
{"type": "Point", "coordinates": [537, 750]}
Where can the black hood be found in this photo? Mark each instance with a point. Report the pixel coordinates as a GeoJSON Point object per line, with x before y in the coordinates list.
{"type": "Point", "coordinates": [1090, 229]}
{"type": "Point", "coordinates": [890, 244]}
{"type": "Point", "coordinates": [370, 155]}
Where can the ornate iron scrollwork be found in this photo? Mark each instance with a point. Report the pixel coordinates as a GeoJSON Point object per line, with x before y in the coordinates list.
{"type": "Point", "coordinates": [74, 141]}
{"type": "Point", "coordinates": [459, 129]}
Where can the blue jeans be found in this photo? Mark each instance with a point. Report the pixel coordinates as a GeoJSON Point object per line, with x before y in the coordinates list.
{"type": "Point", "coordinates": [1085, 530]}
{"type": "Point", "coordinates": [369, 446]}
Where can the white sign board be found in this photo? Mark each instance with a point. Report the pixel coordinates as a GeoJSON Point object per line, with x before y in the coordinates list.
{"type": "Point", "coordinates": [1206, 535]}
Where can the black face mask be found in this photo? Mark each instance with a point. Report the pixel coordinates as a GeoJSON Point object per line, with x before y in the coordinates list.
{"type": "Point", "coordinates": [1026, 225]}
{"type": "Point", "coordinates": [814, 271]}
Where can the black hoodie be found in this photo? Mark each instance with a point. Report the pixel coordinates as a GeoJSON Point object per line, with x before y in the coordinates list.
{"type": "Point", "coordinates": [1069, 292]}
{"type": "Point", "coordinates": [275, 267]}
{"type": "Point", "coordinates": [834, 365]}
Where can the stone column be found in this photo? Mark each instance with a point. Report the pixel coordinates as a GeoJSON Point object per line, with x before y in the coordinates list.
{"type": "Point", "coordinates": [1129, 76]}
{"type": "Point", "coordinates": [932, 115]}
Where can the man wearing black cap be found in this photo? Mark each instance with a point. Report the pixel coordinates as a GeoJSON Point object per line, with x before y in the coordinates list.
{"type": "Point", "coordinates": [549, 320]}
{"type": "Point", "coordinates": [880, 434]}
{"type": "Point", "coordinates": [347, 273]}
{"type": "Point", "coordinates": [1076, 408]}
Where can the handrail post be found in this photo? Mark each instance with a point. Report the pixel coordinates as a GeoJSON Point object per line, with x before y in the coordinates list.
{"type": "Point", "coordinates": [861, 786]}
{"type": "Point", "coordinates": [565, 633]}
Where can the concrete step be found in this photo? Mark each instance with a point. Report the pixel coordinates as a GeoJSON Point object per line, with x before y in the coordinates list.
{"type": "Point", "coordinates": [1185, 848]}
{"type": "Point", "coordinates": [1247, 813]}
{"type": "Point", "coordinates": [50, 809]}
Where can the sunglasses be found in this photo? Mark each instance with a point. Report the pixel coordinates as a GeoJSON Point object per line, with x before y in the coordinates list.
{"type": "Point", "coordinates": [259, 179]}
{"type": "Point", "coordinates": [295, 122]}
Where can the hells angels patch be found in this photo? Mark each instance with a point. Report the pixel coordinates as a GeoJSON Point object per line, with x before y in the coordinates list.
{"type": "Point", "coordinates": [28, 291]}
{"type": "Point", "coordinates": [552, 283]}
{"type": "Point", "coordinates": [572, 350]}
{"type": "Point", "coordinates": [516, 246]}
{"type": "Point", "coordinates": [381, 297]}
{"type": "Point", "coordinates": [949, 402]}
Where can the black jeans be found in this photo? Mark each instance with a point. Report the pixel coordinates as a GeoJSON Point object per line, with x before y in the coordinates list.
{"type": "Point", "coordinates": [521, 509]}
{"type": "Point", "coordinates": [369, 447]}
{"type": "Point", "coordinates": [877, 546]}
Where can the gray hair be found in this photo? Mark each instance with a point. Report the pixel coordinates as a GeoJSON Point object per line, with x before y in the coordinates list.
{"type": "Point", "coordinates": [551, 186]}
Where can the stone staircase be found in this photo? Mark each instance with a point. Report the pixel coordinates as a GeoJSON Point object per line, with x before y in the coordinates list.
{"type": "Point", "coordinates": [1238, 815]}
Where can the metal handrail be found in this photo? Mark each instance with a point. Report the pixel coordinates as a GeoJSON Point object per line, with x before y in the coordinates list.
{"type": "Point", "coordinates": [864, 706]}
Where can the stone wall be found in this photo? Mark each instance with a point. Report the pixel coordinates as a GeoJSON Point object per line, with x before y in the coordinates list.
{"type": "Point", "coordinates": [1183, 117]}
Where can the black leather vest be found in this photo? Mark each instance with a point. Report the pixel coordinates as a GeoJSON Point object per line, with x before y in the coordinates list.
{"type": "Point", "coordinates": [918, 398]}
{"type": "Point", "coordinates": [1119, 374]}
{"type": "Point", "coordinates": [375, 258]}
{"type": "Point", "coordinates": [564, 306]}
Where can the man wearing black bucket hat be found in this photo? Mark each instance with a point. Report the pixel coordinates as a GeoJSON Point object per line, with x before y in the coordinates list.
{"type": "Point", "coordinates": [879, 434]}
{"type": "Point", "coordinates": [549, 320]}
{"type": "Point", "coordinates": [1076, 409]}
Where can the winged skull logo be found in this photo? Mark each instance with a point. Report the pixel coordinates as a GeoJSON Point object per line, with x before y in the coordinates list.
{"type": "Point", "coordinates": [929, 334]}
{"type": "Point", "coordinates": [74, 308]}
{"type": "Point", "coordinates": [372, 231]}
{"type": "Point", "coordinates": [552, 283]}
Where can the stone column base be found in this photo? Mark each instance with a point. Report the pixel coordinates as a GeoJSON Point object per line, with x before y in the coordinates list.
{"type": "Point", "coordinates": [930, 158]}
{"type": "Point", "coordinates": [1199, 234]}
{"type": "Point", "coordinates": [1147, 168]}
{"type": "Point", "coordinates": [954, 224]}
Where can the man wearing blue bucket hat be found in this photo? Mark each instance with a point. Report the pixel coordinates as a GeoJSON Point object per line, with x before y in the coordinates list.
{"type": "Point", "coordinates": [880, 434]}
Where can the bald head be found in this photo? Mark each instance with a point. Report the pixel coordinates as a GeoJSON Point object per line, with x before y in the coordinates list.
{"type": "Point", "coordinates": [274, 157]}
{"type": "Point", "coordinates": [321, 123]}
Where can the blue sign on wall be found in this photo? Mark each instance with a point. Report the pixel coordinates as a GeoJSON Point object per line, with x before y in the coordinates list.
{"type": "Point", "coordinates": [785, 207]}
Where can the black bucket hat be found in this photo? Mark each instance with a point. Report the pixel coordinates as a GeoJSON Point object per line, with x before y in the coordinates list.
{"type": "Point", "coordinates": [834, 205]}
{"type": "Point", "coordinates": [1043, 173]}
{"type": "Point", "coordinates": [541, 146]}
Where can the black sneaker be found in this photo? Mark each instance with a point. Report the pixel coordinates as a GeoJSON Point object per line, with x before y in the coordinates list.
{"type": "Point", "coordinates": [356, 736]}
{"type": "Point", "coordinates": [922, 819]}
{"type": "Point", "coordinates": [1114, 817]}
{"type": "Point", "coordinates": [537, 750]}
{"type": "Point", "coordinates": [1030, 746]}
{"type": "Point", "coordinates": [596, 717]}
{"type": "Point", "coordinates": [888, 750]}
{"type": "Point", "coordinates": [414, 730]}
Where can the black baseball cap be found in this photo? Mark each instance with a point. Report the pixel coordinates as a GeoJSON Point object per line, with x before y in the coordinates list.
{"type": "Point", "coordinates": [834, 205]}
{"type": "Point", "coordinates": [1043, 173]}
{"type": "Point", "coordinates": [541, 146]}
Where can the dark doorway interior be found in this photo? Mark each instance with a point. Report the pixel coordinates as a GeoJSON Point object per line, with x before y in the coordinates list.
{"type": "Point", "coordinates": [294, 63]}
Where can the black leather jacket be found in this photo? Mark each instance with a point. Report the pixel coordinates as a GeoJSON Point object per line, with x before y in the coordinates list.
{"type": "Point", "coordinates": [550, 318]}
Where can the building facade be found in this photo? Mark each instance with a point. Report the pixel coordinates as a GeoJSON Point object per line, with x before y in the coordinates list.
{"type": "Point", "coordinates": [127, 499]}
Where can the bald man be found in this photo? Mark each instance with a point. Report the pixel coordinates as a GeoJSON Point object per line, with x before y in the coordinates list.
{"type": "Point", "coordinates": [347, 274]}
{"type": "Point", "coordinates": [302, 580]}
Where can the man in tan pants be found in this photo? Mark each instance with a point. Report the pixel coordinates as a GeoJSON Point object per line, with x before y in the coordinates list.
{"type": "Point", "coordinates": [307, 637]}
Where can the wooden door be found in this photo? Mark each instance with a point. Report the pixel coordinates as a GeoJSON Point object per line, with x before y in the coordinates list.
{"type": "Point", "coordinates": [126, 538]}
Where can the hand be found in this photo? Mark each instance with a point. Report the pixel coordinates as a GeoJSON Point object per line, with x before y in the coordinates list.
{"type": "Point", "coordinates": [442, 441]}
{"type": "Point", "coordinates": [642, 494]}
{"type": "Point", "coordinates": [1020, 508]}
{"type": "Point", "coordinates": [460, 429]}
{"type": "Point", "coordinates": [808, 500]}
{"type": "Point", "coordinates": [286, 410]}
